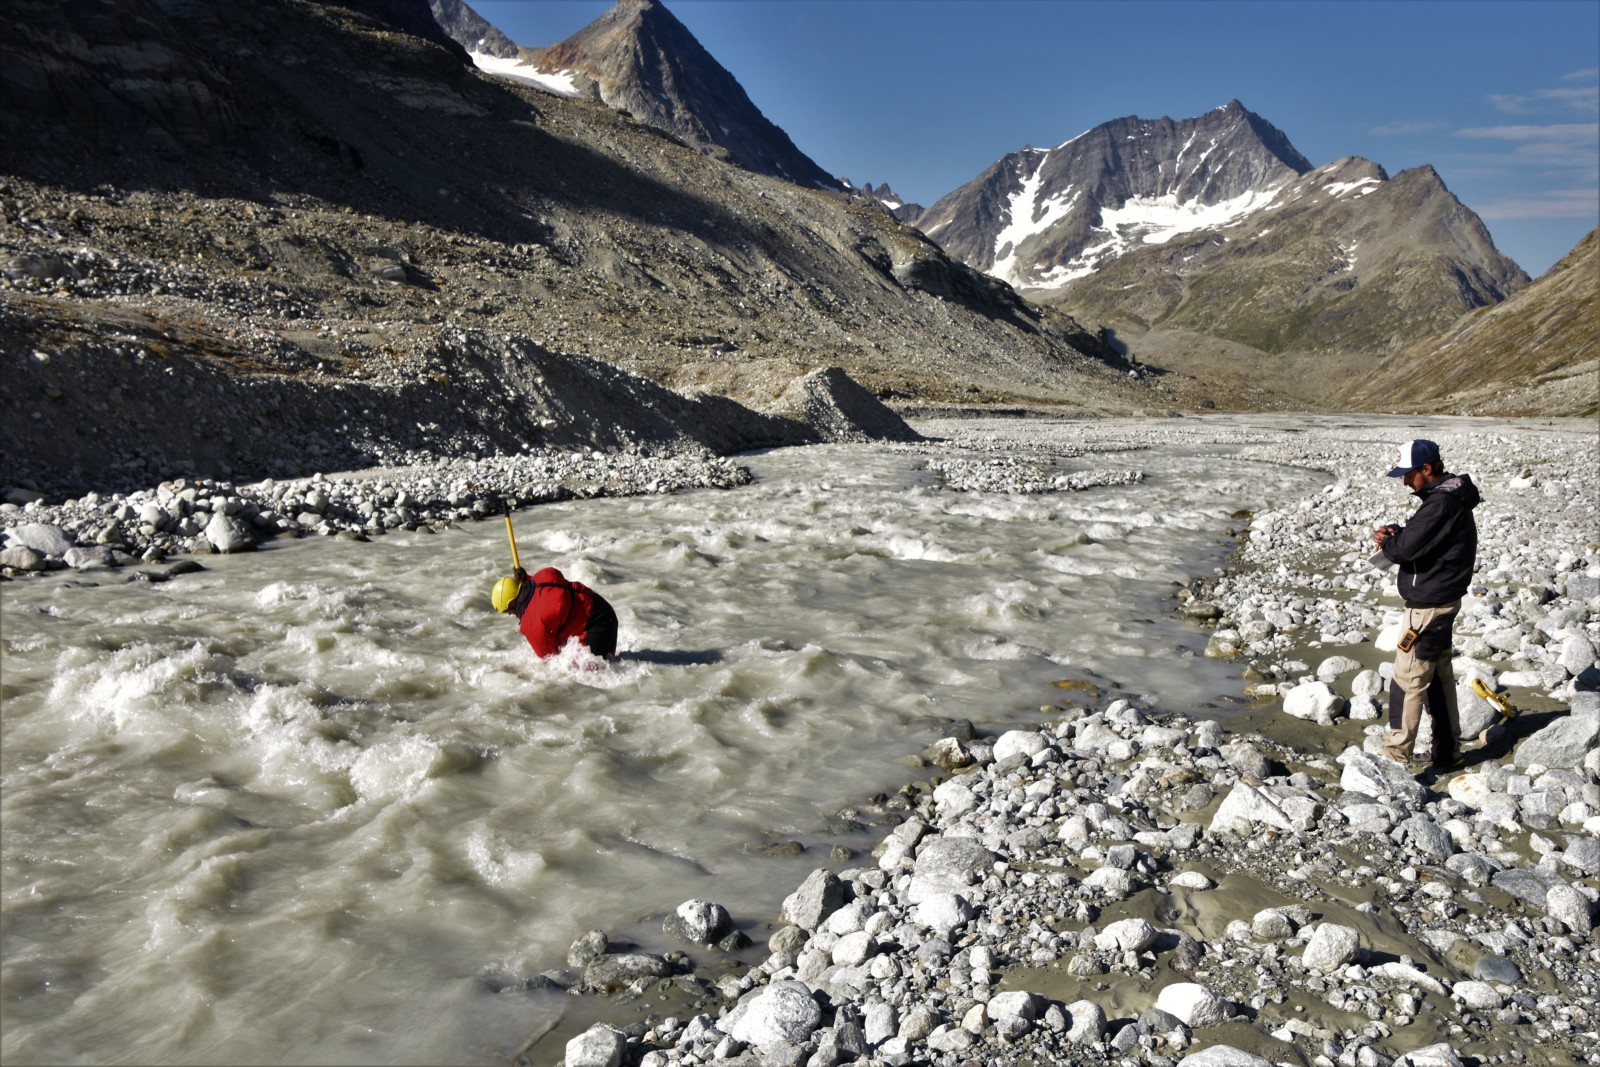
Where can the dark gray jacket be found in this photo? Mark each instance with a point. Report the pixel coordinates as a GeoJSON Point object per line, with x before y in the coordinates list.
{"type": "Point", "coordinates": [1436, 550]}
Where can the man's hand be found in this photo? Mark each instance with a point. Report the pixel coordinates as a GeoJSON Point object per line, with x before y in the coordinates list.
{"type": "Point", "coordinates": [1383, 533]}
{"type": "Point", "coordinates": [520, 575]}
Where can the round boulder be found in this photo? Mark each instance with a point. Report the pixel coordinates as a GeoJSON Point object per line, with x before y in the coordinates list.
{"type": "Point", "coordinates": [782, 1012]}
{"type": "Point", "coordinates": [954, 799]}
{"type": "Point", "coordinates": [22, 558]}
{"type": "Point", "coordinates": [1330, 947]}
{"type": "Point", "coordinates": [617, 971]}
{"type": "Point", "coordinates": [43, 538]}
{"type": "Point", "coordinates": [1313, 701]}
{"type": "Point", "coordinates": [943, 913]}
{"type": "Point", "coordinates": [598, 1046]}
{"type": "Point", "coordinates": [227, 534]}
{"type": "Point", "coordinates": [1478, 996]}
{"type": "Point", "coordinates": [1196, 1005]}
{"type": "Point", "coordinates": [1223, 1056]}
{"type": "Point", "coordinates": [948, 865]}
{"type": "Point", "coordinates": [1023, 743]}
{"type": "Point", "coordinates": [1088, 1022]}
{"type": "Point", "coordinates": [818, 897]}
{"type": "Point", "coordinates": [1126, 935]}
{"type": "Point", "coordinates": [699, 922]}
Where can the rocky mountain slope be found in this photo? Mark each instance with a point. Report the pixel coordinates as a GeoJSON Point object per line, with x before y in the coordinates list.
{"type": "Point", "coordinates": [316, 198]}
{"type": "Point", "coordinates": [1213, 247]}
{"type": "Point", "coordinates": [1040, 217]}
{"type": "Point", "coordinates": [898, 206]}
{"type": "Point", "coordinates": [639, 58]}
{"type": "Point", "coordinates": [1538, 353]}
{"type": "Point", "coordinates": [472, 31]}
{"type": "Point", "coordinates": [1344, 266]}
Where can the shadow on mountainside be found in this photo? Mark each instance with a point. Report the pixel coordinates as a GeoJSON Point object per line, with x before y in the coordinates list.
{"type": "Point", "coordinates": [265, 108]}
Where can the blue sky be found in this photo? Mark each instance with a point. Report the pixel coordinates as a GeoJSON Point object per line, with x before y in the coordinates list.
{"type": "Point", "coordinates": [1502, 98]}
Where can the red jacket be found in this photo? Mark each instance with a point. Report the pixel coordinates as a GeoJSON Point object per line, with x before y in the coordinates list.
{"type": "Point", "coordinates": [557, 611]}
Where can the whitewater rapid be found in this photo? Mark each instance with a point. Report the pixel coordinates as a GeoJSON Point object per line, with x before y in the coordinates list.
{"type": "Point", "coordinates": [320, 804]}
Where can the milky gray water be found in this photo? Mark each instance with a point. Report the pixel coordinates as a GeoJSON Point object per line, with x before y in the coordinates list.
{"type": "Point", "coordinates": [299, 807]}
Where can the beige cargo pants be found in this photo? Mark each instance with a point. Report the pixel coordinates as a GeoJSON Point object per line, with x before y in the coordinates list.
{"type": "Point", "coordinates": [1423, 678]}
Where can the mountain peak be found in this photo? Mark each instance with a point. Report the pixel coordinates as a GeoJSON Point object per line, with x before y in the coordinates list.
{"type": "Point", "coordinates": [1041, 218]}
{"type": "Point", "coordinates": [638, 57]}
{"type": "Point", "coordinates": [469, 29]}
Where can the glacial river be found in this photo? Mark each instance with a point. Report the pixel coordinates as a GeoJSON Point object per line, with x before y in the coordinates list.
{"type": "Point", "coordinates": [319, 804]}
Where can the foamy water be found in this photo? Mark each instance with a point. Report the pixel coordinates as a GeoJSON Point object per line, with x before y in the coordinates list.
{"type": "Point", "coordinates": [299, 807]}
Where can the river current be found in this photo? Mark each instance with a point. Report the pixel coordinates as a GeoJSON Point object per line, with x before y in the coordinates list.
{"type": "Point", "coordinates": [320, 804]}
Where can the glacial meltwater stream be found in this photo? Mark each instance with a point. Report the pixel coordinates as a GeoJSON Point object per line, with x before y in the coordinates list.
{"type": "Point", "coordinates": [319, 804]}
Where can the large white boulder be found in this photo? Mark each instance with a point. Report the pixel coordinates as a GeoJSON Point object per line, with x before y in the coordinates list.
{"type": "Point", "coordinates": [1313, 701]}
{"type": "Point", "coordinates": [1330, 947]}
{"type": "Point", "coordinates": [598, 1046]}
{"type": "Point", "coordinates": [783, 1012]}
{"type": "Point", "coordinates": [1193, 1003]}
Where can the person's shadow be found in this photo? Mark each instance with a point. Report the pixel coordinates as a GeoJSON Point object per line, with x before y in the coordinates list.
{"type": "Point", "coordinates": [683, 658]}
{"type": "Point", "coordinates": [1525, 724]}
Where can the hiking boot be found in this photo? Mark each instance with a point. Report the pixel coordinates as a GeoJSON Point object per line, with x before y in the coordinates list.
{"type": "Point", "coordinates": [1450, 763]}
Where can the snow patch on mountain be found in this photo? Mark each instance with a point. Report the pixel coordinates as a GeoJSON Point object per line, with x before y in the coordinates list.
{"type": "Point", "coordinates": [559, 82]}
{"type": "Point", "coordinates": [1155, 220]}
{"type": "Point", "coordinates": [1360, 188]}
{"type": "Point", "coordinates": [1140, 220]}
{"type": "Point", "coordinates": [1179, 168]}
{"type": "Point", "coordinates": [1028, 216]}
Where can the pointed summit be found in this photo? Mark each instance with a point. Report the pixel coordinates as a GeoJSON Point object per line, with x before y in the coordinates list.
{"type": "Point", "coordinates": [471, 31]}
{"type": "Point", "coordinates": [640, 58]}
{"type": "Point", "coordinates": [1043, 217]}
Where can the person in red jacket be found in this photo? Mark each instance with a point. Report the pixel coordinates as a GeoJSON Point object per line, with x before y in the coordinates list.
{"type": "Point", "coordinates": [554, 610]}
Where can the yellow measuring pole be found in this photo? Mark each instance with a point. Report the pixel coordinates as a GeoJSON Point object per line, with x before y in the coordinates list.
{"type": "Point", "coordinates": [512, 534]}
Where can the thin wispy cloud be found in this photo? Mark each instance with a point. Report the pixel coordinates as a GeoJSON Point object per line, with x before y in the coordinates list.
{"type": "Point", "coordinates": [1570, 132]}
{"type": "Point", "coordinates": [1583, 98]}
{"type": "Point", "coordinates": [1562, 145]}
{"type": "Point", "coordinates": [1547, 204]}
{"type": "Point", "coordinates": [1590, 75]}
{"type": "Point", "coordinates": [1401, 129]}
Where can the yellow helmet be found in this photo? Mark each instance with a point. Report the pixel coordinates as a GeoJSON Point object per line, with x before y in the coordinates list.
{"type": "Point", "coordinates": [504, 592]}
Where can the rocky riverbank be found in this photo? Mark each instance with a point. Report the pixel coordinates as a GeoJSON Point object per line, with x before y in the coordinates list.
{"type": "Point", "coordinates": [432, 489]}
{"type": "Point", "coordinates": [200, 516]}
{"type": "Point", "coordinates": [1136, 884]}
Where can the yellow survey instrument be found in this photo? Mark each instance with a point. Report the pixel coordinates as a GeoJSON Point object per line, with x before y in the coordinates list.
{"type": "Point", "coordinates": [512, 534]}
{"type": "Point", "coordinates": [1508, 710]}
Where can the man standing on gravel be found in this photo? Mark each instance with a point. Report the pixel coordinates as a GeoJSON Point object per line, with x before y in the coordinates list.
{"type": "Point", "coordinates": [1436, 551]}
